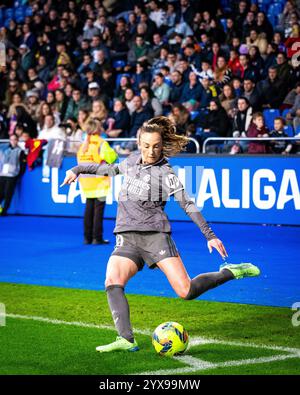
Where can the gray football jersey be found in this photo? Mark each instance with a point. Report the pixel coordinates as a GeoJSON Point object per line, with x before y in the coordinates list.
{"type": "Point", "coordinates": [144, 194]}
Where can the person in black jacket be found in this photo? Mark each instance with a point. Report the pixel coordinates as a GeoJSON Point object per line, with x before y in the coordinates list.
{"type": "Point", "coordinates": [216, 122]}
{"type": "Point", "coordinates": [177, 86]}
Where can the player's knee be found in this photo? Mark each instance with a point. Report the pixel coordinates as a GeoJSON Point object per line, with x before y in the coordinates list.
{"type": "Point", "coordinates": [111, 280]}
{"type": "Point", "coordinates": [183, 291]}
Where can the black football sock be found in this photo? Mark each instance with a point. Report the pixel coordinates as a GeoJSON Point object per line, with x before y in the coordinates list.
{"type": "Point", "coordinates": [204, 282]}
{"type": "Point", "coordinates": [119, 308]}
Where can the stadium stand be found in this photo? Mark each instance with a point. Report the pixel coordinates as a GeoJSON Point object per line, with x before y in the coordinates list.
{"type": "Point", "coordinates": [69, 54]}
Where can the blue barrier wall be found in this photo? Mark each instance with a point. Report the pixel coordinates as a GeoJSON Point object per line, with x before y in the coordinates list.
{"type": "Point", "coordinates": [255, 189]}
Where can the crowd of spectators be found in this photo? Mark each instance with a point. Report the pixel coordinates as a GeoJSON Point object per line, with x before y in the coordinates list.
{"type": "Point", "coordinates": [214, 67]}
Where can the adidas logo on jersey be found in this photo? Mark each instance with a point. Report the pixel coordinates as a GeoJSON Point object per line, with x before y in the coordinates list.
{"type": "Point", "coordinates": [162, 252]}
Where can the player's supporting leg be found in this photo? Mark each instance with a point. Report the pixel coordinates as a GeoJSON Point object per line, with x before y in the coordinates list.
{"type": "Point", "coordinates": [189, 289]}
{"type": "Point", "coordinates": [119, 271]}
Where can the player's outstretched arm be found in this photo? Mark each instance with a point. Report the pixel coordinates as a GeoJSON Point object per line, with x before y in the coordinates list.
{"type": "Point", "coordinates": [101, 170]}
{"type": "Point", "coordinates": [192, 211]}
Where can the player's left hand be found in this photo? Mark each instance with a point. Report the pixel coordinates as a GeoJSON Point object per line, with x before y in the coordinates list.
{"type": "Point", "coordinates": [218, 245]}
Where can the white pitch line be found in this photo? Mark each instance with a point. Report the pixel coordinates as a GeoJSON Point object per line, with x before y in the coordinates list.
{"type": "Point", "coordinates": [195, 341]}
{"type": "Point", "coordinates": [194, 364]}
{"type": "Point", "coordinates": [72, 323]}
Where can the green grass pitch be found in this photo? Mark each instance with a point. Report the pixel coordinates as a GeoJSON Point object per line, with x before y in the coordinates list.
{"type": "Point", "coordinates": [226, 338]}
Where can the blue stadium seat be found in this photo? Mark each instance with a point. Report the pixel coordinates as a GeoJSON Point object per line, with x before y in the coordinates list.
{"type": "Point", "coordinates": [275, 9]}
{"type": "Point", "coordinates": [289, 130]}
{"type": "Point", "coordinates": [269, 116]}
{"type": "Point", "coordinates": [194, 115]}
{"type": "Point", "coordinates": [117, 64]}
{"type": "Point", "coordinates": [273, 19]}
{"type": "Point", "coordinates": [19, 14]}
{"type": "Point", "coordinates": [28, 11]}
{"type": "Point", "coordinates": [224, 24]}
{"type": "Point", "coordinates": [285, 112]}
{"type": "Point", "coordinates": [7, 22]}
{"type": "Point", "coordinates": [9, 13]}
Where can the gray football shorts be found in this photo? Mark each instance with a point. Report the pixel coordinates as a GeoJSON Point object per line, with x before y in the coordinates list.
{"type": "Point", "coordinates": [145, 247]}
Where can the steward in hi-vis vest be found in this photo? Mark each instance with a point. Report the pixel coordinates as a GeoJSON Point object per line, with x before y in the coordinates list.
{"type": "Point", "coordinates": [95, 150]}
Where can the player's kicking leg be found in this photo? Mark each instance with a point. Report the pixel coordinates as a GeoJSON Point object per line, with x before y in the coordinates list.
{"type": "Point", "coordinates": [189, 289]}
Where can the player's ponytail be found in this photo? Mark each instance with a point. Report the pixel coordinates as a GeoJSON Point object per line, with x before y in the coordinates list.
{"type": "Point", "coordinates": [172, 142]}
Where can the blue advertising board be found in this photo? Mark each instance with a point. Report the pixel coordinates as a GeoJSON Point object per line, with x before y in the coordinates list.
{"type": "Point", "coordinates": [241, 189]}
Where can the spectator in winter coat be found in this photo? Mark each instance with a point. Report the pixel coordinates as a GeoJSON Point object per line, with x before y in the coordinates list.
{"type": "Point", "coordinates": [258, 129]}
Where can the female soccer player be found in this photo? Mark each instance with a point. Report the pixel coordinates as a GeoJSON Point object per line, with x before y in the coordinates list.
{"type": "Point", "coordinates": [143, 232]}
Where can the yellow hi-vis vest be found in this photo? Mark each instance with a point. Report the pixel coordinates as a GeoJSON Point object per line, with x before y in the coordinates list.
{"type": "Point", "coordinates": [99, 151]}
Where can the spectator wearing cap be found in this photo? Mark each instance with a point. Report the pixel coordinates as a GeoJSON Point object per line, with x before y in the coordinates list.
{"type": "Point", "coordinates": [160, 89]}
{"type": "Point", "coordinates": [94, 93]}
{"type": "Point", "coordinates": [27, 57]}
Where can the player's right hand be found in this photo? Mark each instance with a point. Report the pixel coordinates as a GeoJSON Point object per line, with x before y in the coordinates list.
{"type": "Point", "coordinates": [70, 177]}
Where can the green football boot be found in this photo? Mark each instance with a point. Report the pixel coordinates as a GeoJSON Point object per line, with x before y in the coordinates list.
{"type": "Point", "coordinates": [241, 270]}
{"type": "Point", "coordinates": [120, 344]}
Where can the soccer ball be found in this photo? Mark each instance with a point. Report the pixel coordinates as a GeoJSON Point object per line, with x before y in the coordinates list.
{"type": "Point", "coordinates": [170, 338]}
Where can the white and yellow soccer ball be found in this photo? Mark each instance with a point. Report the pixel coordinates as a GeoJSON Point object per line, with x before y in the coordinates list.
{"type": "Point", "coordinates": [170, 338]}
